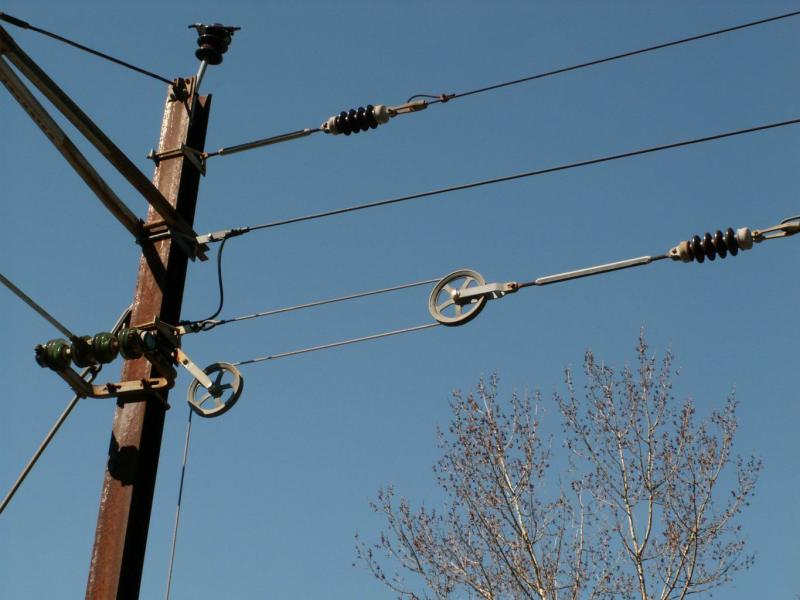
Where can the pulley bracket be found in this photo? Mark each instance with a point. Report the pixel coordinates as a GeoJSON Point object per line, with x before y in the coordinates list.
{"type": "Point", "coordinates": [489, 291]}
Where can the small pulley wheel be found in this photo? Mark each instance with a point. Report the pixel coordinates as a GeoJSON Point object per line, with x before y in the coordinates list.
{"type": "Point", "coordinates": [226, 387]}
{"type": "Point", "coordinates": [442, 302]}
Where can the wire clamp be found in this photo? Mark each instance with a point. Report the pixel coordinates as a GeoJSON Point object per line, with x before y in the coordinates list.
{"type": "Point", "coordinates": [221, 235]}
{"type": "Point", "coordinates": [786, 228]}
{"type": "Point", "coordinates": [408, 107]}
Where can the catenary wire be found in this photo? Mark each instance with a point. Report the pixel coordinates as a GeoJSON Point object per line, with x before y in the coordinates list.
{"type": "Point", "coordinates": [30, 302]}
{"type": "Point", "coordinates": [475, 184]}
{"type": "Point", "coordinates": [25, 25]}
{"type": "Point", "coordinates": [447, 97]}
{"type": "Point", "coordinates": [209, 324]}
{"type": "Point", "coordinates": [178, 507]}
{"type": "Point", "coordinates": [335, 344]}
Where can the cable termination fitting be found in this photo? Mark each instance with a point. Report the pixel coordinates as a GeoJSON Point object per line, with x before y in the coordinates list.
{"type": "Point", "coordinates": [698, 248]}
{"type": "Point", "coordinates": [213, 41]}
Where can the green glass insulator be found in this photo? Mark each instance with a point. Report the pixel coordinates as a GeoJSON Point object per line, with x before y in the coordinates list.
{"type": "Point", "coordinates": [82, 352]}
{"type": "Point", "coordinates": [105, 346]}
{"type": "Point", "coordinates": [130, 343]}
{"type": "Point", "coordinates": [55, 355]}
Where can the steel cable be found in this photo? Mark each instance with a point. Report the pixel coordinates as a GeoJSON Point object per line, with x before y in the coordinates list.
{"type": "Point", "coordinates": [117, 61]}
{"type": "Point", "coordinates": [447, 97]}
{"type": "Point", "coordinates": [30, 302]}
{"type": "Point", "coordinates": [208, 324]}
{"type": "Point", "coordinates": [336, 344]}
{"type": "Point", "coordinates": [484, 182]}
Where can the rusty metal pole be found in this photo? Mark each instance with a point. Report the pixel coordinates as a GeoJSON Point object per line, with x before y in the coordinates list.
{"type": "Point", "coordinates": [127, 496]}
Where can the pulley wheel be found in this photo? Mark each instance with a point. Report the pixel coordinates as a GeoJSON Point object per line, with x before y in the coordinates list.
{"type": "Point", "coordinates": [442, 304]}
{"type": "Point", "coordinates": [226, 387]}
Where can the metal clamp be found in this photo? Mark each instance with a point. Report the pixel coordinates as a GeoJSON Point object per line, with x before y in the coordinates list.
{"type": "Point", "coordinates": [197, 158]}
{"type": "Point", "coordinates": [408, 107]}
{"type": "Point", "coordinates": [786, 228]}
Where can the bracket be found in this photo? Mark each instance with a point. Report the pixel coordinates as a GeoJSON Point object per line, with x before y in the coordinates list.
{"type": "Point", "coordinates": [490, 291]}
{"type": "Point", "coordinates": [195, 157]}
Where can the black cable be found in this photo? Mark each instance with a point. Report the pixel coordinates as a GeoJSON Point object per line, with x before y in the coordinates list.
{"type": "Point", "coordinates": [221, 289]}
{"type": "Point", "coordinates": [447, 97]}
{"type": "Point", "coordinates": [475, 184]}
{"type": "Point", "coordinates": [26, 25]}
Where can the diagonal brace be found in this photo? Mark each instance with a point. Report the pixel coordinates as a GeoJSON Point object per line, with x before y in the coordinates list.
{"type": "Point", "coordinates": [28, 68]}
{"type": "Point", "coordinates": [69, 151]}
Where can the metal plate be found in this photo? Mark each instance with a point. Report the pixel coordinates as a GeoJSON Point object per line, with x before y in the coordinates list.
{"type": "Point", "coordinates": [443, 306]}
{"type": "Point", "coordinates": [222, 396]}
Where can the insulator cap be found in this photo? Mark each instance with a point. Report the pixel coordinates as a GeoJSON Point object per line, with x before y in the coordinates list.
{"type": "Point", "coordinates": [213, 41]}
{"type": "Point", "coordinates": [105, 346]}
{"type": "Point", "coordinates": [130, 343]}
{"type": "Point", "coordinates": [745, 238]}
{"type": "Point", "coordinates": [356, 120]}
{"type": "Point", "coordinates": [82, 352]}
{"type": "Point", "coordinates": [55, 354]}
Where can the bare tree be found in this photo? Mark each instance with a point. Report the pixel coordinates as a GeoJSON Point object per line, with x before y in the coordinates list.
{"type": "Point", "coordinates": [645, 505]}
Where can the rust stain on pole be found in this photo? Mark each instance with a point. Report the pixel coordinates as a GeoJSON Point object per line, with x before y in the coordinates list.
{"type": "Point", "coordinates": [127, 495]}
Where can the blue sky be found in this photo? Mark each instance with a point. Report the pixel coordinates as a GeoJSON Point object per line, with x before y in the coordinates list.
{"type": "Point", "coordinates": [277, 487]}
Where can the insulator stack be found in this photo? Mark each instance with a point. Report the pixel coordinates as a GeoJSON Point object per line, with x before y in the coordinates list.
{"type": "Point", "coordinates": [213, 41]}
{"type": "Point", "coordinates": [88, 351]}
{"type": "Point", "coordinates": [356, 120]}
{"type": "Point", "coordinates": [698, 248]}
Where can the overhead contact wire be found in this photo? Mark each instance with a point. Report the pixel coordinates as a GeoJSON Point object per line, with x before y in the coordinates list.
{"type": "Point", "coordinates": [447, 97]}
{"type": "Point", "coordinates": [103, 55]}
{"type": "Point", "coordinates": [336, 344]}
{"type": "Point", "coordinates": [526, 174]}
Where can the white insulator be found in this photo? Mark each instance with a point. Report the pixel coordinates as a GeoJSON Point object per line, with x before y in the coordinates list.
{"type": "Point", "coordinates": [382, 114]}
{"type": "Point", "coordinates": [329, 126]}
{"type": "Point", "coordinates": [681, 252]}
{"type": "Point", "coordinates": [744, 237]}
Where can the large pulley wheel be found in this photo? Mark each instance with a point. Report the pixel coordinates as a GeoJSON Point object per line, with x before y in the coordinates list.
{"type": "Point", "coordinates": [443, 303]}
{"type": "Point", "coordinates": [226, 387]}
